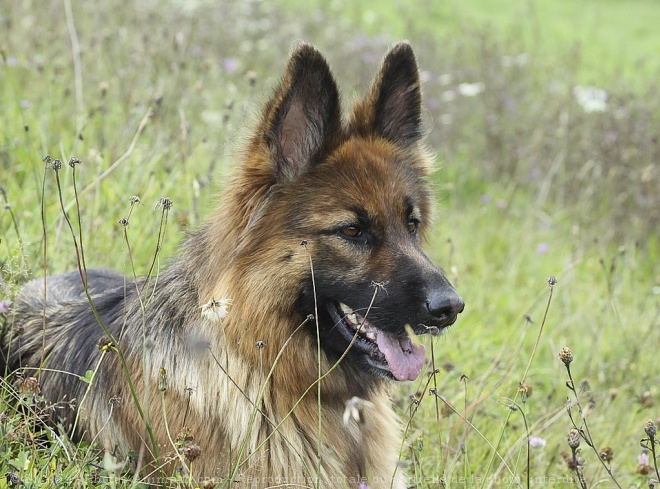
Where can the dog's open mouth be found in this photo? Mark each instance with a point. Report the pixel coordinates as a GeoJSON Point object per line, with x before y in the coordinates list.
{"type": "Point", "coordinates": [398, 356]}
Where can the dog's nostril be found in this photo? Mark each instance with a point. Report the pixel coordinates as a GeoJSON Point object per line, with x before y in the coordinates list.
{"type": "Point", "coordinates": [444, 304]}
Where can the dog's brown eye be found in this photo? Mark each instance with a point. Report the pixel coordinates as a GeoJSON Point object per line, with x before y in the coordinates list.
{"type": "Point", "coordinates": [413, 226]}
{"type": "Point", "coordinates": [351, 232]}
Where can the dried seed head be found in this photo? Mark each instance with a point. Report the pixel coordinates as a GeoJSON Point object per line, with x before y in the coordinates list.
{"type": "Point", "coordinates": [103, 88]}
{"type": "Point", "coordinates": [123, 222]}
{"type": "Point", "coordinates": [646, 399]}
{"type": "Point", "coordinates": [251, 77]}
{"type": "Point", "coordinates": [185, 435]}
{"type": "Point", "coordinates": [165, 203]}
{"type": "Point", "coordinates": [191, 452]}
{"type": "Point", "coordinates": [162, 380]}
{"type": "Point", "coordinates": [13, 479]}
{"type": "Point", "coordinates": [570, 463]}
{"type": "Point", "coordinates": [552, 281]}
{"type": "Point", "coordinates": [650, 429]}
{"type": "Point", "coordinates": [73, 161]}
{"type": "Point", "coordinates": [644, 469]}
{"type": "Point", "coordinates": [104, 343]}
{"type": "Point", "coordinates": [211, 483]}
{"type": "Point", "coordinates": [606, 454]}
{"type": "Point", "coordinates": [525, 390]}
{"type": "Point", "coordinates": [573, 438]}
{"type": "Point", "coordinates": [56, 165]}
{"type": "Point", "coordinates": [566, 356]}
{"type": "Point", "coordinates": [29, 386]}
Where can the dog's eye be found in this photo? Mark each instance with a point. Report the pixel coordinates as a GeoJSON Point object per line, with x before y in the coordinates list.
{"type": "Point", "coordinates": [351, 232]}
{"type": "Point", "coordinates": [413, 226]}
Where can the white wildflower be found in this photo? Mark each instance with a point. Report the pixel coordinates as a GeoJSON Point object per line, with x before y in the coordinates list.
{"type": "Point", "coordinates": [471, 89]}
{"type": "Point", "coordinates": [515, 60]}
{"type": "Point", "coordinates": [445, 79]}
{"type": "Point", "coordinates": [446, 119]}
{"type": "Point", "coordinates": [448, 96]}
{"type": "Point", "coordinates": [591, 99]}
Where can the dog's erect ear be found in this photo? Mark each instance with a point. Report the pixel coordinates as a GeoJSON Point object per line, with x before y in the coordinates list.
{"type": "Point", "coordinates": [302, 122]}
{"type": "Point", "coordinates": [393, 107]}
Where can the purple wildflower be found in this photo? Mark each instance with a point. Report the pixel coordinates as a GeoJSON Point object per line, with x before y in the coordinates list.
{"type": "Point", "coordinates": [537, 442]}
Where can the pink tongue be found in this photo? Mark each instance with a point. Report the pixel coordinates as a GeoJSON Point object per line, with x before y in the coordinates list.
{"type": "Point", "coordinates": [405, 359]}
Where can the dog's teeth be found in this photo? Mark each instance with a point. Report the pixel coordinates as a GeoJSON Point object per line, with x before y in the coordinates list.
{"type": "Point", "coordinates": [345, 309]}
{"type": "Point", "coordinates": [352, 318]}
{"type": "Point", "coordinates": [371, 335]}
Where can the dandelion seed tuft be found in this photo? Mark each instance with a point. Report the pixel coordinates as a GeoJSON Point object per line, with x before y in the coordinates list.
{"type": "Point", "coordinates": [216, 310]}
{"type": "Point", "coordinates": [573, 438]}
{"type": "Point", "coordinates": [355, 409]}
{"type": "Point", "coordinates": [566, 356]}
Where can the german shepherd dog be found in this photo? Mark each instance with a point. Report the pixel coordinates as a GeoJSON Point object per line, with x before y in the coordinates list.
{"type": "Point", "coordinates": [317, 244]}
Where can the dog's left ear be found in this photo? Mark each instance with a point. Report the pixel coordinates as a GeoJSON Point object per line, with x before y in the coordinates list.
{"type": "Point", "coordinates": [393, 107]}
{"type": "Point", "coordinates": [302, 122]}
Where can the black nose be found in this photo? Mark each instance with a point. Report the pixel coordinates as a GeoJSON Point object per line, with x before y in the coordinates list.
{"type": "Point", "coordinates": [444, 303]}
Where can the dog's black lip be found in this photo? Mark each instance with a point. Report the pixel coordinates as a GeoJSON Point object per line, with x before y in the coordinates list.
{"type": "Point", "coordinates": [369, 351]}
{"type": "Point", "coordinates": [348, 333]}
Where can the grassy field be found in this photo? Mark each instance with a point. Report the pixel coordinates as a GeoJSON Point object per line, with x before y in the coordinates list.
{"type": "Point", "coordinates": [540, 174]}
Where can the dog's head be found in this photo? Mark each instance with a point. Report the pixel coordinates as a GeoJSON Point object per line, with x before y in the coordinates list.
{"type": "Point", "coordinates": [337, 211]}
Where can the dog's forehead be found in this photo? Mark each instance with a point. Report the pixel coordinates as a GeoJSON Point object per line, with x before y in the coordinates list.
{"type": "Point", "coordinates": [375, 176]}
{"type": "Point", "coordinates": [375, 166]}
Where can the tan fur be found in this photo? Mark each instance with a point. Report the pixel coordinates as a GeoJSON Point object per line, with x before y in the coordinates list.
{"type": "Point", "coordinates": [247, 387]}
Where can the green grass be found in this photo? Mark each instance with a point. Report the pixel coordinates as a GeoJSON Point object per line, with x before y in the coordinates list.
{"type": "Point", "coordinates": [529, 186]}
{"type": "Point", "coordinates": [614, 38]}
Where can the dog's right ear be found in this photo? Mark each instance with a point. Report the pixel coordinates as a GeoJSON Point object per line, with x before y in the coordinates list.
{"type": "Point", "coordinates": [302, 122]}
{"type": "Point", "coordinates": [393, 107]}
